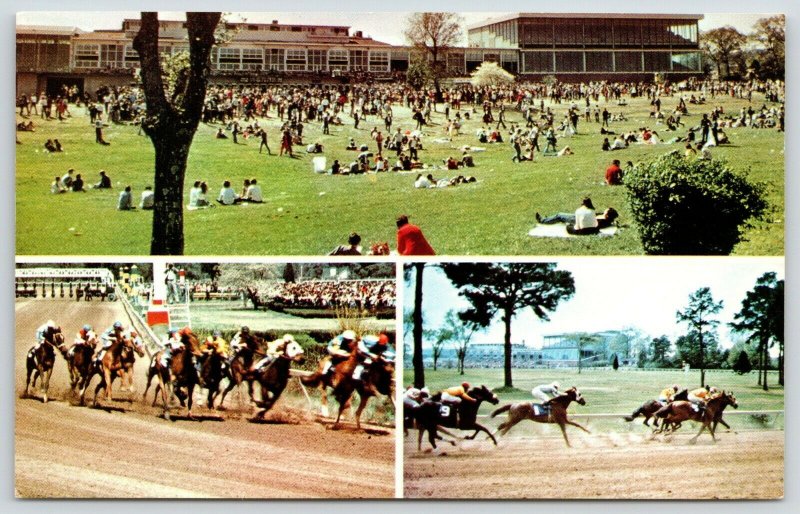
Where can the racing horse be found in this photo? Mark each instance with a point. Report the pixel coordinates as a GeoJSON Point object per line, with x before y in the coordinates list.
{"type": "Point", "coordinates": [182, 373]}
{"type": "Point", "coordinates": [553, 410]}
{"type": "Point", "coordinates": [677, 412]}
{"type": "Point", "coordinates": [339, 378]}
{"type": "Point", "coordinates": [212, 369]}
{"type": "Point", "coordinates": [108, 364]}
{"type": "Point", "coordinates": [40, 361]}
{"type": "Point", "coordinates": [237, 371]}
{"type": "Point", "coordinates": [128, 360]}
{"type": "Point", "coordinates": [376, 379]}
{"type": "Point", "coordinates": [650, 407]}
{"type": "Point", "coordinates": [273, 375]}
{"type": "Point", "coordinates": [79, 359]}
{"type": "Point", "coordinates": [433, 413]}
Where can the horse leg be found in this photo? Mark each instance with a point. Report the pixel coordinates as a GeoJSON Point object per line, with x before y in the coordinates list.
{"type": "Point", "coordinates": [568, 422]}
{"type": "Point", "coordinates": [147, 387]}
{"type": "Point", "coordinates": [361, 405]}
{"type": "Point", "coordinates": [190, 394]}
{"type": "Point", "coordinates": [46, 383]}
{"type": "Point", "coordinates": [109, 382]}
{"type": "Point", "coordinates": [421, 431]}
{"type": "Point", "coordinates": [324, 400]}
{"type": "Point", "coordinates": [693, 440]}
{"type": "Point", "coordinates": [481, 428]}
{"type": "Point", "coordinates": [564, 433]}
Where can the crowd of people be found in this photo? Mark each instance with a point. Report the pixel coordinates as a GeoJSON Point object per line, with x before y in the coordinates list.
{"type": "Point", "coordinates": [328, 294]}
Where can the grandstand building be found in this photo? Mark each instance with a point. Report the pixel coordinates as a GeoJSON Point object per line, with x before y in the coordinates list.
{"type": "Point", "coordinates": [573, 47]}
{"type": "Point", "coordinates": [578, 47]}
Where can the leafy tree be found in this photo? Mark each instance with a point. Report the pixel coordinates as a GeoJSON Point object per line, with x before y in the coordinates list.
{"type": "Point", "coordinates": [659, 351]}
{"type": "Point", "coordinates": [441, 337]}
{"type": "Point", "coordinates": [691, 207]}
{"type": "Point", "coordinates": [698, 315]}
{"type": "Point", "coordinates": [462, 335]}
{"type": "Point", "coordinates": [491, 74]}
{"type": "Point", "coordinates": [504, 288]}
{"type": "Point", "coordinates": [742, 365]}
{"type": "Point", "coordinates": [433, 33]}
{"type": "Point", "coordinates": [722, 44]}
{"type": "Point", "coordinates": [761, 317]}
{"type": "Point", "coordinates": [171, 119]}
{"type": "Point", "coordinates": [419, 73]}
{"type": "Point", "coordinates": [688, 349]}
{"type": "Point", "coordinates": [770, 34]}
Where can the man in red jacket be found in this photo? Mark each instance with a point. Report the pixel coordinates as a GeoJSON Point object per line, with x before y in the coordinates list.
{"type": "Point", "coordinates": [410, 240]}
{"type": "Point", "coordinates": [614, 174]}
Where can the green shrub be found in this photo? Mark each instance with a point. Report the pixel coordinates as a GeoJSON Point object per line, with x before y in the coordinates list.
{"type": "Point", "coordinates": [691, 207]}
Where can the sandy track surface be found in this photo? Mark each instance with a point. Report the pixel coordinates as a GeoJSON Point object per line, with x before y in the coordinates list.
{"type": "Point", "coordinates": [127, 451]}
{"type": "Point", "coordinates": [600, 466]}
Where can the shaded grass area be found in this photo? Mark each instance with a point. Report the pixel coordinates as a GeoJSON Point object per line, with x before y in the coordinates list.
{"type": "Point", "coordinates": [618, 392]}
{"type": "Point", "coordinates": [309, 214]}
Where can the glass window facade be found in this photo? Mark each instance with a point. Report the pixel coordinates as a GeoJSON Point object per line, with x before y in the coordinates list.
{"type": "Point", "coordinates": [599, 62]}
{"type": "Point", "coordinates": [688, 62]}
{"type": "Point", "coordinates": [338, 59]}
{"type": "Point", "coordinates": [657, 61]}
{"type": "Point", "coordinates": [568, 32]}
{"type": "Point", "coordinates": [359, 60]}
{"type": "Point", "coordinates": [597, 33]}
{"type": "Point", "coordinates": [112, 56]}
{"type": "Point", "coordinates": [87, 56]}
{"type": "Point", "coordinates": [295, 60]}
{"type": "Point", "coordinates": [535, 33]}
{"type": "Point", "coordinates": [378, 60]}
{"type": "Point", "coordinates": [274, 59]}
{"type": "Point", "coordinates": [229, 58]}
{"type": "Point", "coordinates": [627, 33]}
{"type": "Point", "coordinates": [317, 60]}
{"type": "Point", "coordinates": [569, 62]}
{"type": "Point", "coordinates": [252, 58]}
{"type": "Point", "coordinates": [537, 62]}
{"type": "Point", "coordinates": [628, 61]}
{"type": "Point", "coordinates": [455, 62]}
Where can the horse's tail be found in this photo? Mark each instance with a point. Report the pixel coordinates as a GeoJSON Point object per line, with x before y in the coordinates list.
{"type": "Point", "coordinates": [635, 414]}
{"type": "Point", "coordinates": [501, 410]}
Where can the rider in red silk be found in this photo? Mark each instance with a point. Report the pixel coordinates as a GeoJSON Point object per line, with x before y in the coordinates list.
{"type": "Point", "coordinates": [410, 240]}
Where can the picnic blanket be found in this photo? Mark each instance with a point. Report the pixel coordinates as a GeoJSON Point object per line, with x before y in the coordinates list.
{"type": "Point", "coordinates": [560, 230]}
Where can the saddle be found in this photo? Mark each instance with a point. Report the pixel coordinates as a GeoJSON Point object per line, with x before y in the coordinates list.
{"type": "Point", "coordinates": [540, 410]}
{"type": "Point", "coordinates": [448, 412]}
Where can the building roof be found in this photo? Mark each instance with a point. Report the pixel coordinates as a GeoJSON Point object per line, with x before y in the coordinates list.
{"type": "Point", "coordinates": [595, 15]}
{"type": "Point", "coordinates": [49, 30]}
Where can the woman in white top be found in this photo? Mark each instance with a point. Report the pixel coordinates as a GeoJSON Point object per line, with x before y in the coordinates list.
{"type": "Point", "coordinates": [254, 192]}
{"type": "Point", "coordinates": [423, 182]}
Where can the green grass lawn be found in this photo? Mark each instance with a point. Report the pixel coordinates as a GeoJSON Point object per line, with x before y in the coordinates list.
{"type": "Point", "coordinates": [615, 392]}
{"type": "Point", "coordinates": [310, 214]}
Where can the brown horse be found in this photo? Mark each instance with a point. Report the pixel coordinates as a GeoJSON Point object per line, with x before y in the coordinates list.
{"type": "Point", "coordinates": [677, 412]}
{"type": "Point", "coordinates": [182, 374]}
{"type": "Point", "coordinates": [109, 366]}
{"type": "Point", "coordinates": [340, 379]}
{"type": "Point", "coordinates": [553, 410]}
{"type": "Point", "coordinates": [376, 379]}
{"type": "Point", "coordinates": [128, 360]}
{"type": "Point", "coordinates": [273, 375]}
{"type": "Point", "coordinates": [433, 414]}
{"type": "Point", "coordinates": [79, 359]}
{"type": "Point", "coordinates": [40, 361]}
{"type": "Point", "coordinates": [650, 407]}
{"type": "Point", "coordinates": [212, 370]}
{"type": "Point", "coordinates": [237, 371]}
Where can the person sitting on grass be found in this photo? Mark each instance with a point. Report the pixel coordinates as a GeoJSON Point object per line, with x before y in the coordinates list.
{"type": "Point", "coordinates": [565, 151]}
{"type": "Point", "coordinates": [584, 221]}
{"type": "Point", "coordinates": [467, 160]}
{"type": "Point", "coordinates": [105, 181]}
{"type": "Point", "coordinates": [221, 134]}
{"type": "Point", "coordinates": [351, 248]}
{"type": "Point", "coordinates": [125, 202]}
{"type": "Point", "coordinates": [148, 199]}
{"type": "Point", "coordinates": [253, 193]}
{"type": "Point", "coordinates": [351, 145]}
{"type": "Point", "coordinates": [424, 182]}
{"type": "Point", "coordinates": [66, 179]}
{"type": "Point", "coordinates": [451, 163]}
{"type": "Point", "coordinates": [77, 184]}
{"type": "Point", "coordinates": [336, 168]}
{"type": "Point", "coordinates": [227, 196]}
{"type": "Point", "coordinates": [56, 186]}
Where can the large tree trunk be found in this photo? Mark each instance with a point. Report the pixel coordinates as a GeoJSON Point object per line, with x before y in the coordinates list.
{"type": "Point", "coordinates": [507, 347]}
{"type": "Point", "coordinates": [766, 362]}
{"type": "Point", "coordinates": [171, 155]}
{"type": "Point", "coordinates": [419, 370]}
{"type": "Point", "coordinates": [702, 361]}
{"type": "Point", "coordinates": [780, 365]}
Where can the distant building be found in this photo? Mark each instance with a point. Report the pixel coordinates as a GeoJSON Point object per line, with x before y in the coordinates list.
{"type": "Point", "coordinates": [596, 46]}
{"type": "Point", "coordinates": [558, 350]}
{"type": "Point", "coordinates": [573, 47]}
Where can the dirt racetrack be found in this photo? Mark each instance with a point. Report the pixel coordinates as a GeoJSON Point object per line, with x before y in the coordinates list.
{"type": "Point", "coordinates": [746, 465]}
{"type": "Point", "coordinates": [127, 451]}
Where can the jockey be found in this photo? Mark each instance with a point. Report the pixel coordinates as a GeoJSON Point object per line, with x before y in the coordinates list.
{"type": "Point", "coordinates": [666, 395]}
{"type": "Point", "coordinates": [46, 332]}
{"type": "Point", "coordinates": [215, 344]}
{"type": "Point", "coordinates": [339, 349]}
{"type": "Point", "coordinates": [246, 344]}
{"type": "Point", "coordinates": [371, 348]}
{"type": "Point", "coordinates": [172, 345]}
{"type": "Point", "coordinates": [274, 349]}
{"type": "Point", "coordinates": [457, 393]}
{"type": "Point", "coordinates": [546, 392]}
{"type": "Point", "coordinates": [700, 396]}
{"type": "Point", "coordinates": [85, 334]}
{"type": "Point", "coordinates": [113, 333]}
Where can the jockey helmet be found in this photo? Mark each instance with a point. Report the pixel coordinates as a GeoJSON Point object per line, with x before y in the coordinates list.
{"type": "Point", "coordinates": [383, 339]}
{"type": "Point", "coordinates": [675, 387]}
{"type": "Point", "coordinates": [245, 330]}
{"type": "Point", "coordinates": [556, 386]}
{"type": "Point", "coordinates": [465, 385]}
{"type": "Point", "coordinates": [349, 335]}
{"type": "Point", "coordinates": [172, 332]}
{"type": "Point", "coordinates": [117, 324]}
{"type": "Point", "coordinates": [51, 324]}
{"type": "Point", "coordinates": [370, 339]}
{"type": "Point", "coordinates": [87, 328]}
